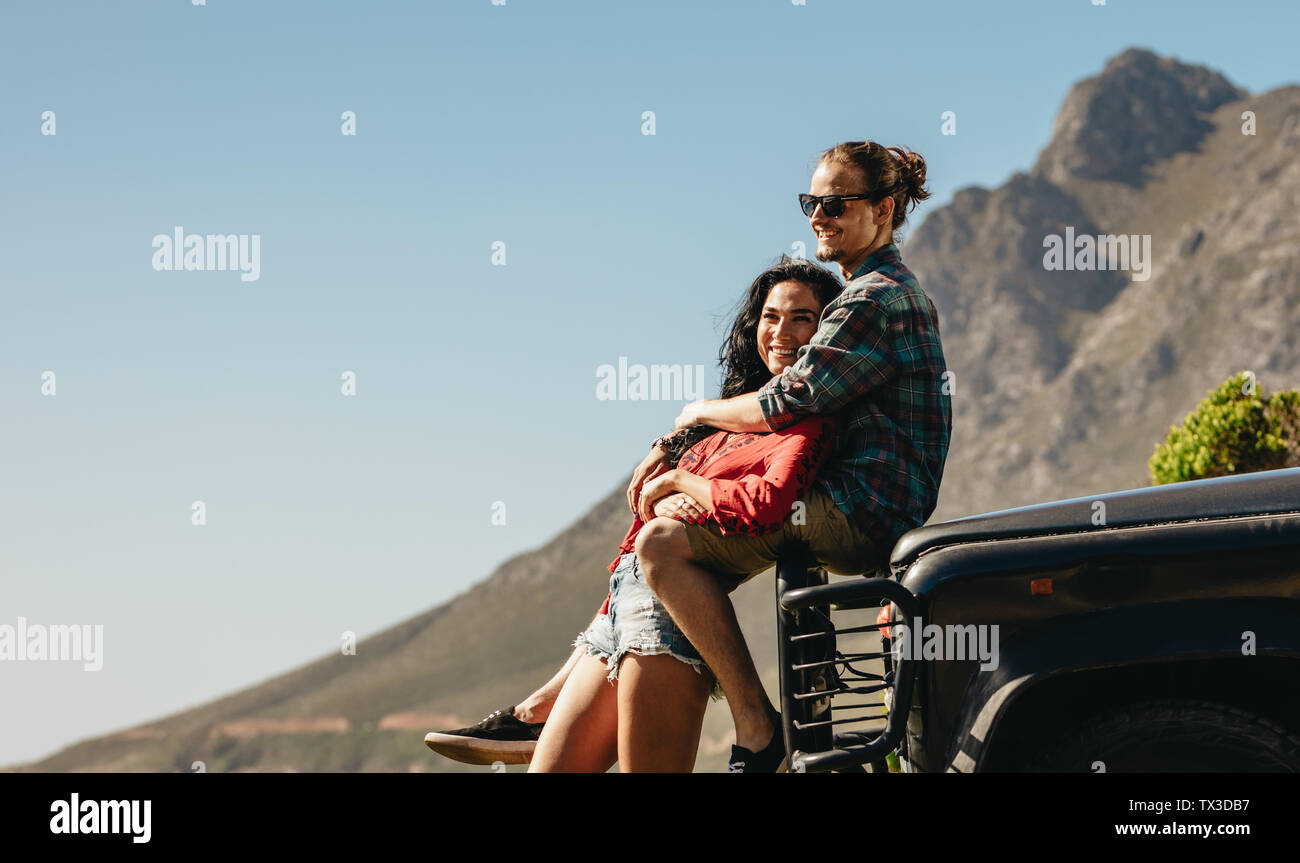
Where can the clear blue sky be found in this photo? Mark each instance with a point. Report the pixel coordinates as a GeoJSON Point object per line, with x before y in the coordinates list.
{"type": "Point", "coordinates": [475, 123]}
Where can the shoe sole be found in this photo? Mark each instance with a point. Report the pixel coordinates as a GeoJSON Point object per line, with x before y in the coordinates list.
{"type": "Point", "coordinates": [472, 750]}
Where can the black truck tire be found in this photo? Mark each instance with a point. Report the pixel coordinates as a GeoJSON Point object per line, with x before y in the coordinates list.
{"type": "Point", "coordinates": [1173, 736]}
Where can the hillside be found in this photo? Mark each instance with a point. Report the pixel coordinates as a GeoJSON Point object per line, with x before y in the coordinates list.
{"type": "Point", "coordinates": [446, 667]}
{"type": "Point", "coordinates": [1065, 382]}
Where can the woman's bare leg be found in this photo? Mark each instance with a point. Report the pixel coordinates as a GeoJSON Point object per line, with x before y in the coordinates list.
{"type": "Point", "coordinates": [581, 734]}
{"type": "Point", "coordinates": [661, 703]}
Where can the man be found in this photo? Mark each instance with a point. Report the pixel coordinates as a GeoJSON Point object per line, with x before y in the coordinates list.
{"type": "Point", "coordinates": [877, 362]}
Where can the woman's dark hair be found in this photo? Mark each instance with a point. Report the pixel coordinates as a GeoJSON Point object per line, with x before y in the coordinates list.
{"type": "Point", "coordinates": [889, 172]}
{"type": "Point", "coordinates": [742, 369]}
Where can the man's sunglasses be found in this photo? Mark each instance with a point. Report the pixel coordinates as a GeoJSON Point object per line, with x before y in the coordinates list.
{"type": "Point", "coordinates": [832, 205]}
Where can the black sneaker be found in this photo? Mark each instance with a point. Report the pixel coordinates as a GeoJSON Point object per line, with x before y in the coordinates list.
{"type": "Point", "coordinates": [499, 736]}
{"type": "Point", "coordinates": [772, 759]}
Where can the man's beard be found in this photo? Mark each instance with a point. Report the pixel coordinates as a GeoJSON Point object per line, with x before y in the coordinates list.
{"type": "Point", "coordinates": [828, 255]}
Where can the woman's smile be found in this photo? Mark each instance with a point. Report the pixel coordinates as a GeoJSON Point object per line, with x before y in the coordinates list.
{"type": "Point", "coordinates": [787, 353]}
{"type": "Point", "coordinates": [788, 321]}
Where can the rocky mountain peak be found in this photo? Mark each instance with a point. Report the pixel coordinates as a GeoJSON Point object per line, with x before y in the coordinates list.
{"type": "Point", "coordinates": [1141, 108]}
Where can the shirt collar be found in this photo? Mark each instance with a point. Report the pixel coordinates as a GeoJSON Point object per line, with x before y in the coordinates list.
{"type": "Point", "coordinates": [886, 254]}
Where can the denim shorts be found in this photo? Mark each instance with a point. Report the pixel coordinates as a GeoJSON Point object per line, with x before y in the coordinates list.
{"type": "Point", "coordinates": [637, 623]}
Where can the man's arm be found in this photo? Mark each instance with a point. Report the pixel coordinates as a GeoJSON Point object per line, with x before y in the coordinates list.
{"type": "Point", "coordinates": [849, 357]}
{"type": "Point", "coordinates": [739, 414]}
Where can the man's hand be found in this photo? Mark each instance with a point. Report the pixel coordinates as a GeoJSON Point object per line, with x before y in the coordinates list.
{"type": "Point", "coordinates": [690, 415]}
{"type": "Point", "coordinates": [683, 507]}
{"type": "Point", "coordinates": [736, 414]}
{"type": "Point", "coordinates": [650, 467]}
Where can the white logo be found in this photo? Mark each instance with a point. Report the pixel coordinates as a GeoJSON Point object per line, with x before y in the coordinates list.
{"type": "Point", "coordinates": [103, 816]}
{"type": "Point", "coordinates": [55, 643]}
{"type": "Point", "coordinates": [181, 251]}
{"type": "Point", "coordinates": [958, 642]}
{"type": "Point", "coordinates": [659, 382]}
{"type": "Point", "coordinates": [1103, 252]}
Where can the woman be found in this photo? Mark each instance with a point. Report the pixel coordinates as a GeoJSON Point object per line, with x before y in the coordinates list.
{"type": "Point", "coordinates": [649, 719]}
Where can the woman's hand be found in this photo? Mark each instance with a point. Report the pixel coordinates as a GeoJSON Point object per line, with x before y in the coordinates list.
{"type": "Point", "coordinates": [650, 467]}
{"type": "Point", "coordinates": [659, 487]}
{"type": "Point", "coordinates": [681, 506]}
{"type": "Point", "coordinates": [697, 488]}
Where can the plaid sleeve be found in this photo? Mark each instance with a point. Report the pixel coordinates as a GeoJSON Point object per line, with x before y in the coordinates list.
{"type": "Point", "coordinates": [848, 356]}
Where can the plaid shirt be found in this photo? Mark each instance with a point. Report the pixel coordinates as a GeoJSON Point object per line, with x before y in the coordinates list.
{"type": "Point", "coordinates": [876, 360]}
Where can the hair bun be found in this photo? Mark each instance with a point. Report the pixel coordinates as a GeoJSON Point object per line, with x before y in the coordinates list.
{"type": "Point", "coordinates": [911, 173]}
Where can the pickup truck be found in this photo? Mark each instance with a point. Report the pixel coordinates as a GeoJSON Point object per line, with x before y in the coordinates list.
{"type": "Point", "coordinates": [1154, 629]}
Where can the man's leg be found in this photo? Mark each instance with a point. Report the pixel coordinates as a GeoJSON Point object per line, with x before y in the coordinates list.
{"type": "Point", "coordinates": [698, 604]}
{"type": "Point", "coordinates": [494, 738]}
{"type": "Point", "coordinates": [537, 707]}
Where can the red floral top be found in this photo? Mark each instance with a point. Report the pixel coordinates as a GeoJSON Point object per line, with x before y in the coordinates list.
{"type": "Point", "coordinates": [754, 478]}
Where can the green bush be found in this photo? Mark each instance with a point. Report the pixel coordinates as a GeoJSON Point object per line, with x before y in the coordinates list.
{"type": "Point", "coordinates": [1233, 430]}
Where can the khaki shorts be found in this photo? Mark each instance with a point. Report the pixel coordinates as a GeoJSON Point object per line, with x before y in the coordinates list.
{"type": "Point", "coordinates": [836, 543]}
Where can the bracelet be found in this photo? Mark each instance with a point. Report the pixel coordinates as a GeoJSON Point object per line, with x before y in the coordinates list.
{"type": "Point", "coordinates": [661, 442]}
